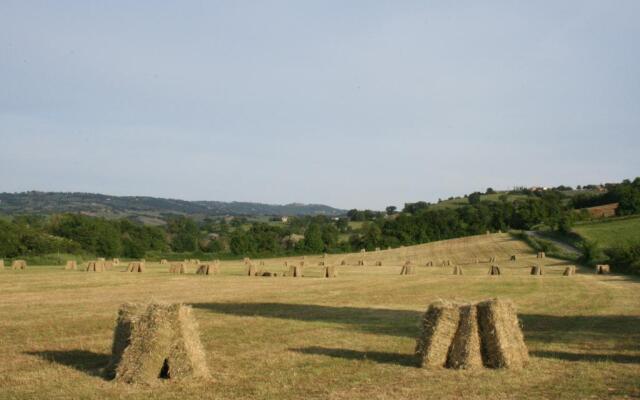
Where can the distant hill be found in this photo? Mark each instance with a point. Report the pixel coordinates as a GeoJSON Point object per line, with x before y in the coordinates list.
{"type": "Point", "coordinates": [146, 208]}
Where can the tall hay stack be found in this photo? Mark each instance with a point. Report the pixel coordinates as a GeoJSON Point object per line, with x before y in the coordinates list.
{"type": "Point", "coordinates": [501, 335]}
{"type": "Point", "coordinates": [329, 272]}
{"type": "Point", "coordinates": [407, 269]}
{"type": "Point", "coordinates": [429, 264]}
{"type": "Point", "coordinates": [537, 270]}
{"type": "Point", "coordinates": [252, 271]}
{"type": "Point", "coordinates": [465, 336]}
{"type": "Point", "coordinates": [603, 269]}
{"type": "Point", "coordinates": [207, 269]}
{"type": "Point", "coordinates": [95, 266]}
{"type": "Point", "coordinates": [71, 265]}
{"type": "Point", "coordinates": [457, 270]}
{"type": "Point", "coordinates": [116, 261]}
{"type": "Point", "coordinates": [19, 265]}
{"type": "Point", "coordinates": [513, 257]}
{"type": "Point", "coordinates": [494, 270]}
{"type": "Point", "coordinates": [164, 261]}
{"type": "Point", "coordinates": [343, 262]}
{"type": "Point", "coordinates": [361, 263]}
{"type": "Point", "coordinates": [541, 254]}
{"type": "Point", "coordinates": [136, 266]}
{"type": "Point", "coordinates": [156, 341]}
{"type": "Point", "coordinates": [295, 271]}
{"type": "Point", "coordinates": [178, 268]}
{"type": "Point", "coordinates": [569, 271]}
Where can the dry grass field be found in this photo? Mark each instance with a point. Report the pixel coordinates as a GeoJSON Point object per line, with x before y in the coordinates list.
{"type": "Point", "coordinates": [351, 337]}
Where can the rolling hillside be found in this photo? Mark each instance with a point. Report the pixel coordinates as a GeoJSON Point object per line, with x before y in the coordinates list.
{"type": "Point", "coordinates": [145, 207]}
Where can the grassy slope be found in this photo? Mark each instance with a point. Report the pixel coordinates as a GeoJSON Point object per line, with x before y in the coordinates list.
{"type": "Point", "coordinates": [611, 231]}
{"type": "Point", "coordinates": [345, 338]}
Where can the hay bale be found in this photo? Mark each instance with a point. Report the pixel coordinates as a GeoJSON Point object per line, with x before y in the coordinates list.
{"type": "Point", "coordinates": [178, 268]}
{"type": "Point", "coordinates": [108, 265]}
{"type": "Point", "coordinates": [465, 351]}
{"type": "Point", "coordinates": [471, 335]}
{"type": "Point", "coordinates": [569, 271]}
{"type": "Point", "coordinates": [252, 270]}
{"type": "Point", "coordinates": [513, 257]}
{"type": "Point", "coordinates": [363, 250]}
{"type": "Point", "coordinates": [457, 270]}
{"type": "Point", "coordinates": [136, 266]}
{"type": "Point", "coordinates": [603, 269]}
{"type": "Point", "coordinates": [286, 264]}
{"type": "Point", "coordinates": [1, 264]}
{"type": "Point", "coordinates": [116, 261]}
{"type": "Point", "coordinates": [101, 259]}
{"type": "Point", "coordinates": [407, 269]}
{"type": "Point", "coordinates": [302, 263]}
{"type": "Point", "coordinates": [494, 270]}
{"type": "Point", "coordinates": [378, 263]}
{"type": "Point", "coordinates": [501, 337]}
{"type": "Point", "coordinates": [541, 254]}
{"type": "Point", "coordinates": [321, 264]}
{"type": "Point", "coordinates": [19, 265]}
{"type": "Point", "coordinates": [429, 264]}
{"type": "Point", "coordinates": [261, 263]}
{"type": "Point", "coordinates": [246, 261]}
{"type": "Point", "coordinates": [537, 270]}
{"type": "Point", "coordinates": [295, 271]}
{"type": "Point", "coordinates": [492, 259]}
{"type": "Point", "coordinates": [71, 265]}
{"type": "Point", "coordinates": [343, 262]}
{"type": "Point", "coordinates": [156, 341]}
{"type": "Point", "coordinates": [377, 248]}
{"type": "Point", "coordinates": [329, 272]}
{"type": "Point", "coordinates": [361, 263]}
{"type": "Point", "coordinates": [95, 266]}
{"type": "Point", "coordinates": [164, 261]}
{"type": "Point", "coordinates": [438, 328]}
{"type": "Point", "coordinates": [128, 313]}
{"type": "Point", "coordinates": [207, 269]}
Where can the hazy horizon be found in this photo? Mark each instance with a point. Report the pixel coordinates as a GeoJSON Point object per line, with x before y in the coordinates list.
{"type": "Point", "coordinates": [352, 105]}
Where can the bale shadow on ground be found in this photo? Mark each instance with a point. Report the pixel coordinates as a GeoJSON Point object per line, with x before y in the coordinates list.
{"type": "Point", "coordinates": [368, 320]}
{"type": "Point", "coordinates": [588, 357]}
{"type": "Point", "coordinates": [537, 328]}
{"type": "Point", "coordinates": [407, 360]}
{"type": "Point", "coordinates": [82, 360]}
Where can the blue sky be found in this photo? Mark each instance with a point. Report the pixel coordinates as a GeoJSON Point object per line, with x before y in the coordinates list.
{"type": "Point", "coordinates": [354, 104]}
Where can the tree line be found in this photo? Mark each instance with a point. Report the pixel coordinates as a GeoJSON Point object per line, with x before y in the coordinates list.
{"type": "Point", "coordinates": [238, 237]}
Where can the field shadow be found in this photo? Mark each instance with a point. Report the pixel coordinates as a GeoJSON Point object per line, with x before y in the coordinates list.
{"type": "Point", "coordinates": [588, 357]}
{"type": "Point", "coordinates": [407, 360]}
{"type": "Point", "coordinates": [368, 320]}
{"type": "Point", "coordinates": [82, 360]}
{"type": "Point", "coordinates": [538, 329]}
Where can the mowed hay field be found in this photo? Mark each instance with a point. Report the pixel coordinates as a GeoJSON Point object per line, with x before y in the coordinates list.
{"type": "Point", "coordinates": [350, 337]}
